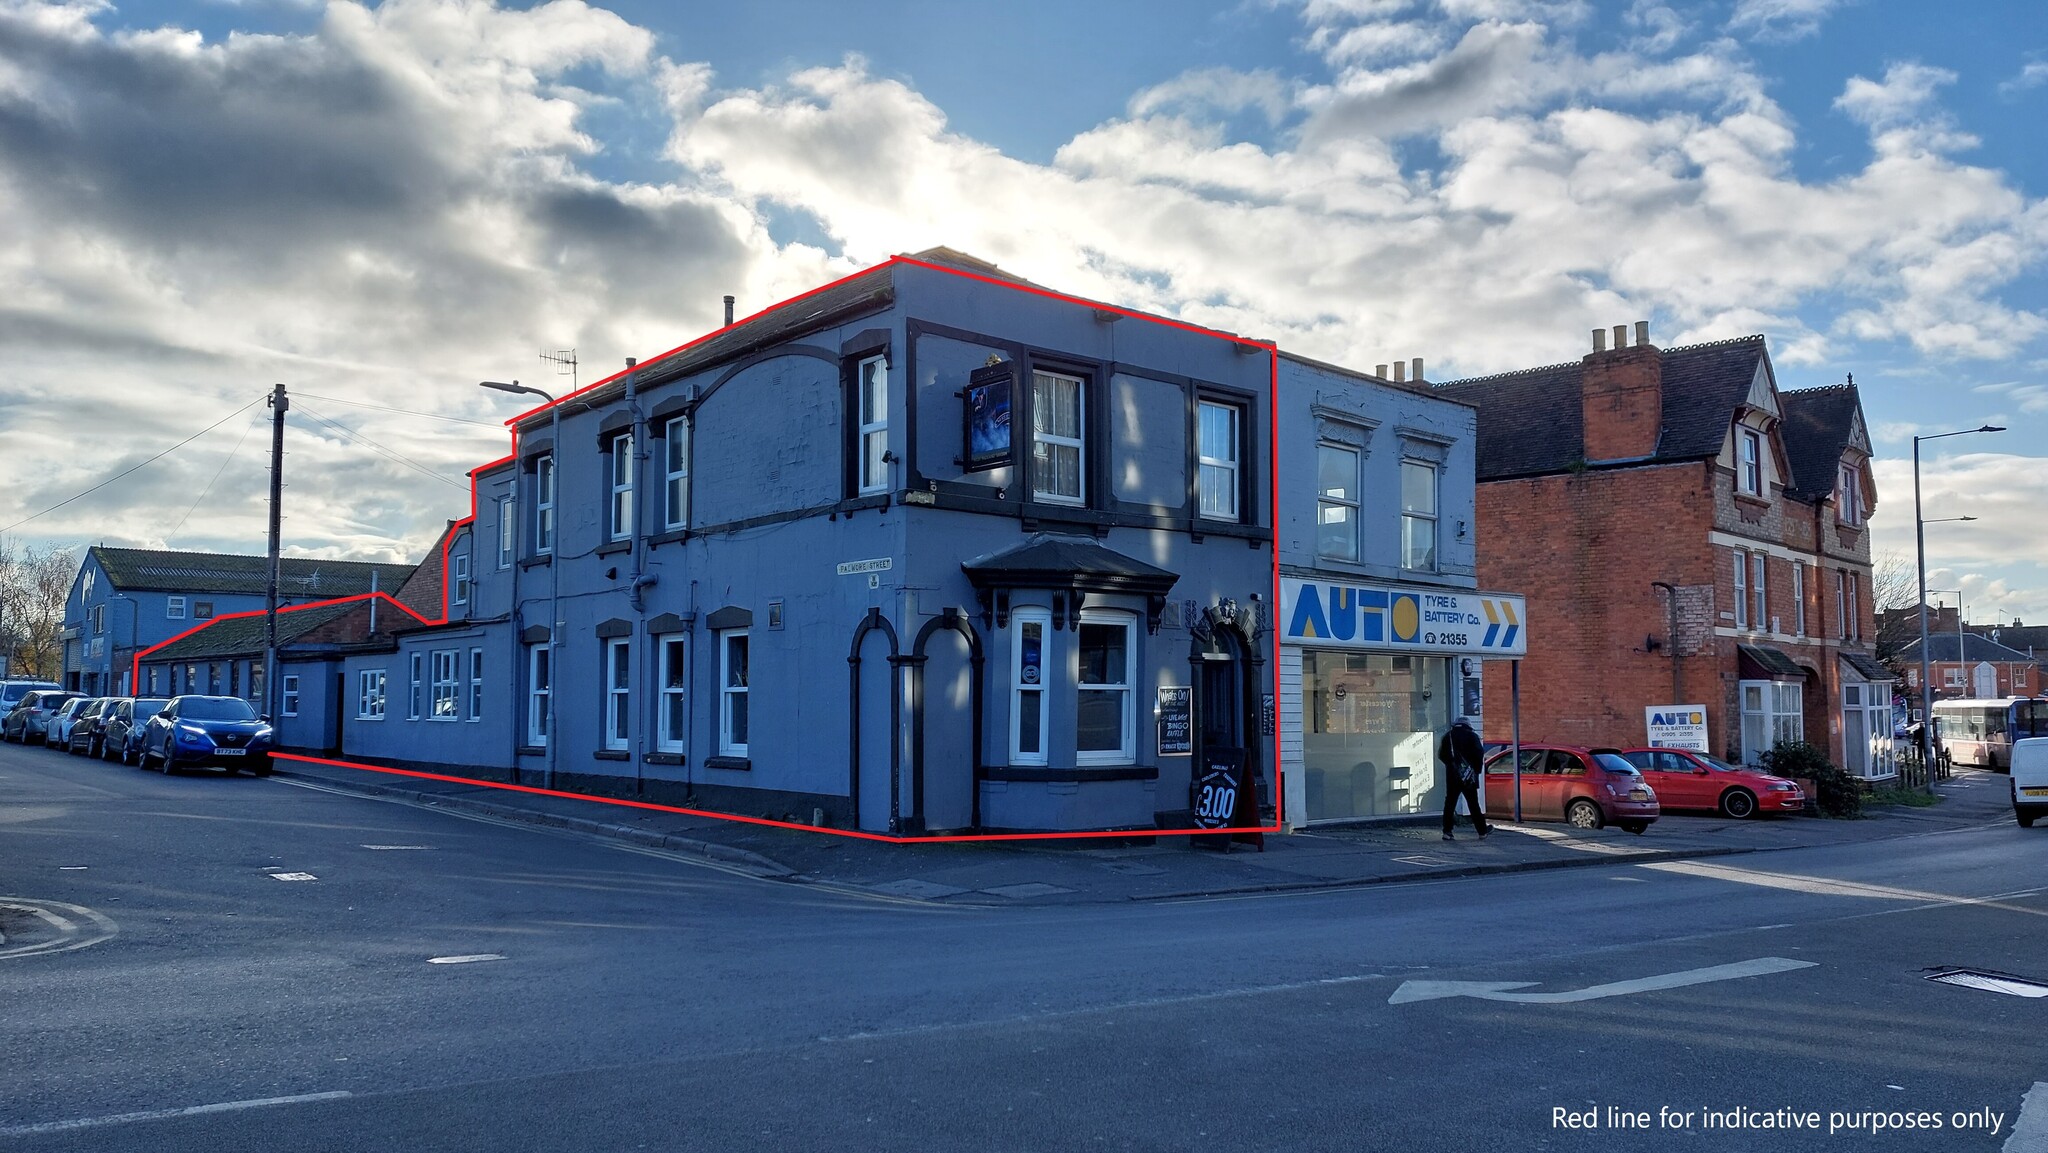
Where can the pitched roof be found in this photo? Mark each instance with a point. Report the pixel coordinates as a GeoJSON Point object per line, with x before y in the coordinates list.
{"type": "Point", "coordinates": [1817, 428]}
{"type": "Point", "coordinates": [1049, 557]}
{"type": "Point", "coordinates": [206, 572]}
{"type": "Point", "coordinates": [1942, 647]}
{"type": "Point", "coordinates": [242, 636]}
{"type": "Point", "coordinates": [1531, 423]}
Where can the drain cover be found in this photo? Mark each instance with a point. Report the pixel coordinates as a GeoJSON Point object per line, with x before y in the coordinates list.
{"type": "Point", "coordinates": [1991, 982]}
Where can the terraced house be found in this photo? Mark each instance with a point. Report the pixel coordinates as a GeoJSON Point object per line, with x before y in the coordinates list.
{"type": "Point", "coordinates": [1686, 534]}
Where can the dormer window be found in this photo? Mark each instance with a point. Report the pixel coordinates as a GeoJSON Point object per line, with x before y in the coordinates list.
{"type": "Point", "coordinates": [1849, 495]}
{"type": "Point", "coordinates": [1750, 463]}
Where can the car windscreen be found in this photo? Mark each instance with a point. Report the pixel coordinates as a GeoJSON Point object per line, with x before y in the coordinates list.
{"type": "Point", "coordinates": [215, 709]}
{"type": "Point", "coordinates": [147, 709]}
{"type": "Point", "coordinates": [1722, 765]}
{"type": "Point", "coordinates": [1613, 763]}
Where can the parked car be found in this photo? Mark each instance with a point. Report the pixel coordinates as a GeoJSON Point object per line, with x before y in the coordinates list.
{"type": "Point", "coordinates": [1685, 779]}
{"type": "Point", "coordinates": [30, 720]}
{"type": "Point", "coordinates": [223, 732]}
{"type": "Point", "coordinates": [11, 691]}
{"type": "Point", "coordinates": [2029, 780]}
{"type": "Point", "coordinates": [121, 727]}
{"type": "Point", "coordinates": [58, 731]}
{"type": "Point", "coordinates": [1587, 788]}
{"type": "Point", "coordinates": [78, 738]}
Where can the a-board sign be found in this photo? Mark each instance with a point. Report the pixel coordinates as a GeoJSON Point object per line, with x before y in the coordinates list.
{"type": "Point", "coordinates": [1677, 726]}
{"type": "Point", "coordinates": [1221, 789]}
{"type": "Point", "coordinates": [1176, 720]}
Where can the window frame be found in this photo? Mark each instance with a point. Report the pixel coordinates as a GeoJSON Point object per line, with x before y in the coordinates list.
{"type": "Point", "coordinates": [1355, 503]}
{"type": "Point", "coordinates": [675, 487]}
{"type": "Point", "coordinates": [672, 717]}
{"type": "Point", "coordinates": [446, 688]}
{"type": "Point", "coordinates": [370, 705]}
{"type": "Point", "coordinates": [416, 673]}
{"type": "Point", "coordinates": [865, 430]}
{"type": "Point", "coordinates": [727, 691]}
{"type": "Point", "coordinates": [540, 687]}
{"type": "Point", "coordinates": [1849, 494]}
{"type": "Point", "coordinates": [174, 608]}
{"type": "Point", "coordinates": [458, 566]}
{"type": "Point", "coordinates": [1841, 604]}
{"type": "Point", "coordinates": [508, 530]}
{"type": "Point", "coordinates": [1126, 752]}
{"type": "Point", "coordinates": [1749, 461]}
{"type": "Point", "coordinates": [544, 504]}
{"type": "Point", "coordinates": [618, 694]}
{"type": "Point", "coordinates": [1759, 591]}
{"type": "Point", "coordinates": [1429, 518]}
{"type": "Point", "coordinates": [619, 503]}
{"type": "Point", "coordinates": [202, 610]}
{"type": "Point", "coordinates": [1019, 617]}
{"type": "Point", "coordinates": [288, 695]}
{"type": "Point", "coordinates": [476, 685]}
{"type": "Point", "coordinates": [1799, 598]}
{"type": "Point", "coordinates": [1078, 442]}
{"type": "Point", "coordinates": [1231, 467]}
{"type": "Point", "coordinates": [1742, 589]}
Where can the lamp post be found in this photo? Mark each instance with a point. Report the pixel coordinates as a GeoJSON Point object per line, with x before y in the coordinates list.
{"type": "Point", "coordinates": [1920, 554]}
{"type": "Point", "coordinates": [554, 737]}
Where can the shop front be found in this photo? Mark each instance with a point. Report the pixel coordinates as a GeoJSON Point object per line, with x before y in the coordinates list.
{"type": "Point", "coordinates": [1372, 676]}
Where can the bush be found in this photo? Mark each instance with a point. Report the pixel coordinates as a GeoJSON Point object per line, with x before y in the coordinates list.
{"type": "Point", "coordinates": [1839, 794]}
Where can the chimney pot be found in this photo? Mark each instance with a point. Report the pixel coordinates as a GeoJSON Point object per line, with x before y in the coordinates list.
{"type": "Point", "coordinates": [1620, 337]}
{"type": "Point", "coordinates": [728, 311]}
{"type": "Point", "coordinates": [631, 361]}
{"type": "Point", "coordinates": [1400, 371]}
{"type": "Point", "coordinates": [1642, 333]}
{"type": "Point", "coordinates": [1599, 340]}
{"type": "Point", "coordinates": [1380, 370]}
{"type": "Point", "coordinates": [1415, 371]}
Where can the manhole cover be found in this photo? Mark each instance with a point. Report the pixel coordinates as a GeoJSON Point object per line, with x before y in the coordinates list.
{"type": "Point", "coordinates": [1990, 982]}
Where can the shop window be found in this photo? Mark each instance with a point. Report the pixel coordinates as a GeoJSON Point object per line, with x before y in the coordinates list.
{"type": "Point", "coordinates": [871, 388]}
{"type": "Point", "coordinates": [1337, 499]}
{"type": "Point", "coordinates": [618, 692]}
{"type": "Point", "coordinates": [732, 693]}
{"type": "Point", "coordinates": [445, 670]}
{"type": "Point", "coordinates": [1058, 426]}
{"type": "Point", "coordinates": [1370, 727]}
{"type": "Point", "coordinates": [676, 469]}
{"type": "Point", "coordinates": [539, 684]}
{"type": "Point", "coordinates": [1029, 629]}
{"type": "Point", "coordinates": [1418, 516]}
{"type": "Point", "coordinates": [675, 670]}
{"type": "Point", "coordinates": [619, 517]}
{"type": "Point", "coordinates": [370, 695]}
{"type": "Point", "coordinates": [1104, 727]}
{"type": "Point", "coordinates": [1219, 447]}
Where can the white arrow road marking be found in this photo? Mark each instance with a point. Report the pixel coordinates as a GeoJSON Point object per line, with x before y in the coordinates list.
{"type": "Point", "coordinates": [159, 1114]}
{"type": "Point", "coordinates": [465, 959]}
{"type": "Point", "coordinates": [1497, 990]}
{"type": "Point", "coordinates": [293, 877]}
{"type": "Point", "coordinates": [2030, 1128]}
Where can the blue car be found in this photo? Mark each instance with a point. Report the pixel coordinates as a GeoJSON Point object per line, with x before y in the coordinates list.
{"type": "Point", "coordinates": [218, 732]}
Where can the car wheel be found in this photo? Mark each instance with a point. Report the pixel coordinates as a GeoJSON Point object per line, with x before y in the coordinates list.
{"type": "Point", "coordinates": [1738, 804]}
{"type": "Point", "coordinates": [1584, 814]}
{"type": "Point", "coordinates": [1636, 827]}
{"type": "Point", "coordinates": [2026, 821]}
{"type": "Point", "coordinates": [168, 760]}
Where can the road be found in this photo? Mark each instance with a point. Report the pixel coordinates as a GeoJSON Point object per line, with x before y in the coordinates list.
{"type": "Point", "coordinates": [642, 1000]}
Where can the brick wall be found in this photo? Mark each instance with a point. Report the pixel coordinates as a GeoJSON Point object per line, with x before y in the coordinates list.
{"type": "Point", "coordinates": [1622, 402]}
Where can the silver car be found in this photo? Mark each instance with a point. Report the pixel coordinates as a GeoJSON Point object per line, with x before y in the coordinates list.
{"type": "Point", "coordinates": [30, 720]}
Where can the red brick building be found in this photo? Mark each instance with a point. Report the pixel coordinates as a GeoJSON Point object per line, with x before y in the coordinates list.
{"type": "Point", "coordinates": [1685, 534]}
{"type": "Point", "coordinates": [1991, 669]}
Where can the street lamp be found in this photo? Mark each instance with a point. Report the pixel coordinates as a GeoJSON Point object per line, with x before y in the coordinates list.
{"type": "Point", "coordinates": [1920, 553]}
{"type": "Point", "coordinates": [554, 570]}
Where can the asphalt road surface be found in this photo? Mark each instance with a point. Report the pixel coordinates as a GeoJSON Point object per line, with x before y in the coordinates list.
{"type": "Point", "coordinates": [230, 964]}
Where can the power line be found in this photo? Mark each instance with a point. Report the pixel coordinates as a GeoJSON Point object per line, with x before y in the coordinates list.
{"type": "Point", "coordinates": [388, 453]}
{"type": "Point", "coordinates": [246, 430]}
{"type": "Point", "coordinates": [406, 411]}
{"type": "Point", "coordinates": [133, 469]}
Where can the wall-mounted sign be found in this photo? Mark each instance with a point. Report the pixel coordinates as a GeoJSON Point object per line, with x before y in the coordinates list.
{"type": "Point", "coordinates": [1176, 721]}
{"type": "Point", "coordinates": [1677, 726]}
{"type": "Point", "coordinates": [1401, 618]}
{"type": "Point", "coordinates": [857, 567]}
{"type": "Point", "coordinates": [987, 403]}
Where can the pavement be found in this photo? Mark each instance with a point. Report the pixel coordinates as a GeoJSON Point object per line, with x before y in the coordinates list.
{"type": "Point", "coordinates": [1088, 871]}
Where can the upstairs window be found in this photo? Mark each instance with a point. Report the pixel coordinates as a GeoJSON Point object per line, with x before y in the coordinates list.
{"type": "Point", "coordinates": [871, 378]}
{"type": "Point", "coordinates": [1750, 465]}
{"type": "Point", "coordinates": [1849, 495]}
{"type": "Point", "coordinates": [1418, 516]}
{"type": "Point", "coordinates": [99, 619]}
{"type": "Point", "coordinates": [1741, 589]}
{"type": "Point", "coordinates": [174, 608]}
{"type": "Point", "coordinates": [620, 520]}
{"type": "Point", "coordinates": [460, 563]}
{"type": "Point", "coordinates": [1217, 446]}
{"type": "Point", "coordinates": [507, 531]}
{"type": "Point", "coordinates": [1058, 458]}
{"type": "Point", "coordinates": [203, 610]}
{"type": "Point", "coordinates": [544, 505]}
{"type": "Point", "coordinates": [1760, 602]}
{"type": "Point", "coordinates": [1337, 502]}
{"type": "Point", "coordinates": [1799, 598]}
{"type": "Point", "coordinates": [676, 468]}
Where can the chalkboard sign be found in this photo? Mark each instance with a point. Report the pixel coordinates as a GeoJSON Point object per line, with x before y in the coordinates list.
{"type": "Point", "coordinates": [1176, 720]}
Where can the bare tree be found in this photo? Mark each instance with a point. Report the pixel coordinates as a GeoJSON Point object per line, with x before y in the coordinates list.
{"type": "Point", "coordinates": [1894, 582]}
{"type": "Point", "coordinates": [34, 585]}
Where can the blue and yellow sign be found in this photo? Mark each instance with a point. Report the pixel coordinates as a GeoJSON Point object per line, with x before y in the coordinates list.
{"type": "Point", "coordinates": [1387, 617]}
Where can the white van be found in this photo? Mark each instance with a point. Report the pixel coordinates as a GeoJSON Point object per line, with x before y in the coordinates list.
{"type": "Point", "coordinates": [2030, 780]}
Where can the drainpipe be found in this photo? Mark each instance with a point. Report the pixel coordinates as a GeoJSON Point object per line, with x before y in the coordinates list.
{"type": "Point", "coordinates": [640, 578]}
{"type": "Point", "coordinates": [1671, 595]}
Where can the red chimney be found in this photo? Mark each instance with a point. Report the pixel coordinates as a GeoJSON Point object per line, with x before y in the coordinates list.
{"type": "Point", "coordinates": [1621, 396]}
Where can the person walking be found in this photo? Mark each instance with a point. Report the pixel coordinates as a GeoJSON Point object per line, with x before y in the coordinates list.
{"type": "Point", "coordinates": [1463, 757]}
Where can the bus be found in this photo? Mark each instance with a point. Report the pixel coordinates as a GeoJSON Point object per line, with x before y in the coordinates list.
{"type": "Point", "coordinates": [1981, 732]}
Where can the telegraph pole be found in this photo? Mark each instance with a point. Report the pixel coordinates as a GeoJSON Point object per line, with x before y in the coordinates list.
{"type": "Point", "coordinates": [279, 404]}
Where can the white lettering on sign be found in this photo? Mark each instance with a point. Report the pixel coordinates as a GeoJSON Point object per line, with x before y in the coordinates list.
{"type": "Point", "coordinates": [857, 567]}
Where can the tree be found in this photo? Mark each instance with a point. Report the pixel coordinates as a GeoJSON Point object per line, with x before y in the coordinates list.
{"type": "Point", "coordinates": [34, 585]}
{"type": "Point", "coordinates": [1894, 589]}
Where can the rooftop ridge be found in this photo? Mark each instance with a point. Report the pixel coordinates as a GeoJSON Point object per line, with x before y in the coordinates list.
{"type": "Point", "coordinates": [1817, 388]}
{"type": "Point", "coordinates": [1757, 337]}
{"type": "Point", "coordinates": [1505, 375]}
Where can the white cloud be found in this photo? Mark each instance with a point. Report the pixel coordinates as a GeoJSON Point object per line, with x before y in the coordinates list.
{"type": "Point", "coordinates": [2034, 75]}
{"type": "Point", "coordinates": [1779, 21]}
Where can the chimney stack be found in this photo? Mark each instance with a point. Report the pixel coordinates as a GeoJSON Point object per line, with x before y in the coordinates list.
{"type": "Point", "coordinates": [1621, 396]}
{"type": "Point", "coordinates": [1415, 373]}
{"type": "Point", "coordinates": [728, 312]}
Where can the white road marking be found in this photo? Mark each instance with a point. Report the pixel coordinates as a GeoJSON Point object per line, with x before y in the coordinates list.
{"type": "Point", "coordinates": [90, 928]}
{"type": "Point", "coordinates": [465, 958]}
{"type": "Point", "coordinates": [1823, 886]}
{"type": "Point", "coordinates": [2030, 1128]}
{"type": "Point", "coordinates": [1498, 990]}
{"type": "Point", "coordinates": [72, 868]}
{"type": "Point", "coordinates": [161, 1114]}
{"type": "Point", "coordinates": [398, 846]}
{"type": "Point", "coordinates": [1567, 841]}
{"type": "Point", "coordinates": [293, 877]}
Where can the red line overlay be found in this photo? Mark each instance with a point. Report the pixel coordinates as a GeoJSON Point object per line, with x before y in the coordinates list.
{"type": "Point", "coordinates": [448, 541]}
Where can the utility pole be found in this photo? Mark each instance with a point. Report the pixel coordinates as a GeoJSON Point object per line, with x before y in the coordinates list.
{"type": "Point", "coordinates": [279, 404]}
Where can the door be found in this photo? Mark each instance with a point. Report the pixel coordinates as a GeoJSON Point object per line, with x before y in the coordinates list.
{"type": "Point", "coordinates": [1222, 718]}
{"type": "Point", "coordinates": [1985, 680]}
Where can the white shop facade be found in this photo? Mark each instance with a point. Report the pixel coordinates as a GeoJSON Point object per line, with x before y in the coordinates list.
{"type": "Point", "coordinates": [1371, 676]}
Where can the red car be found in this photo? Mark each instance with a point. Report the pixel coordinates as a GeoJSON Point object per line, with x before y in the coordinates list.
{"type": "Point", "coordinates": [1688, 780]}
{"type": "Point", "coordinates": [1588, 788]}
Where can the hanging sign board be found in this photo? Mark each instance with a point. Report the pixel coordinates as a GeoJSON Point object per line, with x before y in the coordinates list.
{"type": "Point", "coordinates": [1176, 721]}
{"type": "Point", "coordinates": [1677, 726]}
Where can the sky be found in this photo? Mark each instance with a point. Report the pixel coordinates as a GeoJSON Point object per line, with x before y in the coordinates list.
{"type": "Point", "coordinates": [380, 205]}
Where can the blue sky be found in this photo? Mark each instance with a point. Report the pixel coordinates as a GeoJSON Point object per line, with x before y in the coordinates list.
{"type": "Point", "coordinates": [386, 203]}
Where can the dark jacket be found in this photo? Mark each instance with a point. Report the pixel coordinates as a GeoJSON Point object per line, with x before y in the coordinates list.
{"type": "Point", "coordinates": [1461, 745]}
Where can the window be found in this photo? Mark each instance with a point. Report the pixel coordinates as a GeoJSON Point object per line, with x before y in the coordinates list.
{"type": "Point", "coordinates": [1751, 465]}
{"type": "Point", "coordinates": [174, 608]}
{"type": "Point", "coordinates": [544, 505]}
{"type": "Point", "coordinates": [1760, 609]}
{"type": "Point", "coordinates": [1337, 502]}
{"type": "Point", "coordinates": [1853, 619]}
{"type": "Point", "coordinates": [676, 457]}
{"type": "Point", "coordinates": [1842, 603]}
{"type": "Point", "coordinates": [1057, 459]}
{"type": "Point", "coordinates": [1027, 685]}
{"type": "Point", "coordinates": [1217, 443]}
{"type": "Point", "coordinates": [202, 610]}
{"type": "Point", "coordinates": [1772, 711]}
{"type": "Point", "coordinates": [1104, 729]}
{"type": "Point", "coordinates": [412, 698]}
{"type": "Point", "coordinates": [539, 684]}
{"type": "Point", "coordinates": [1418, 515]}
{"type": "Point", "coordinates": [620, 521]}
{"type": "Point", "coordinates": [192, 679]}
{"type": "Point", "coordinates": [370, 695]}
{"type": "Point", "coordinates": [675, 671]}
{"type": "Point", "coordinates": [99, 618]}
{"type": "Point", "coordinates": [1953, 677]}
{"type": "Point", "coordinates": [618, 687]}
{"type": "Point", "coordinates": [288, 705]}
{"type": "Point", "coordinates": [507, 531]}
{"type": "Point", "coordinates": [445, 683]}
{"type": "Point", "coordinates": [476, 684]}
{"type": "Point", "coordinates": [460, 564]}
{"type": "Point", "coordinates": [1741, 589]}
{"type": "Point", "coordinates": [1799, 598]}
{"type": "Point", "coordinates": [732, 694]}
{"type": "Point", "coordinates": [871, 384]}
{"type": "Point", "coordinates": [1849, 495]}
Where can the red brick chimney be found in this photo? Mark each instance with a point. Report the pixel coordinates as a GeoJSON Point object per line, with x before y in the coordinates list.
{"type": "Point", "coordinates": [1621, 395]}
